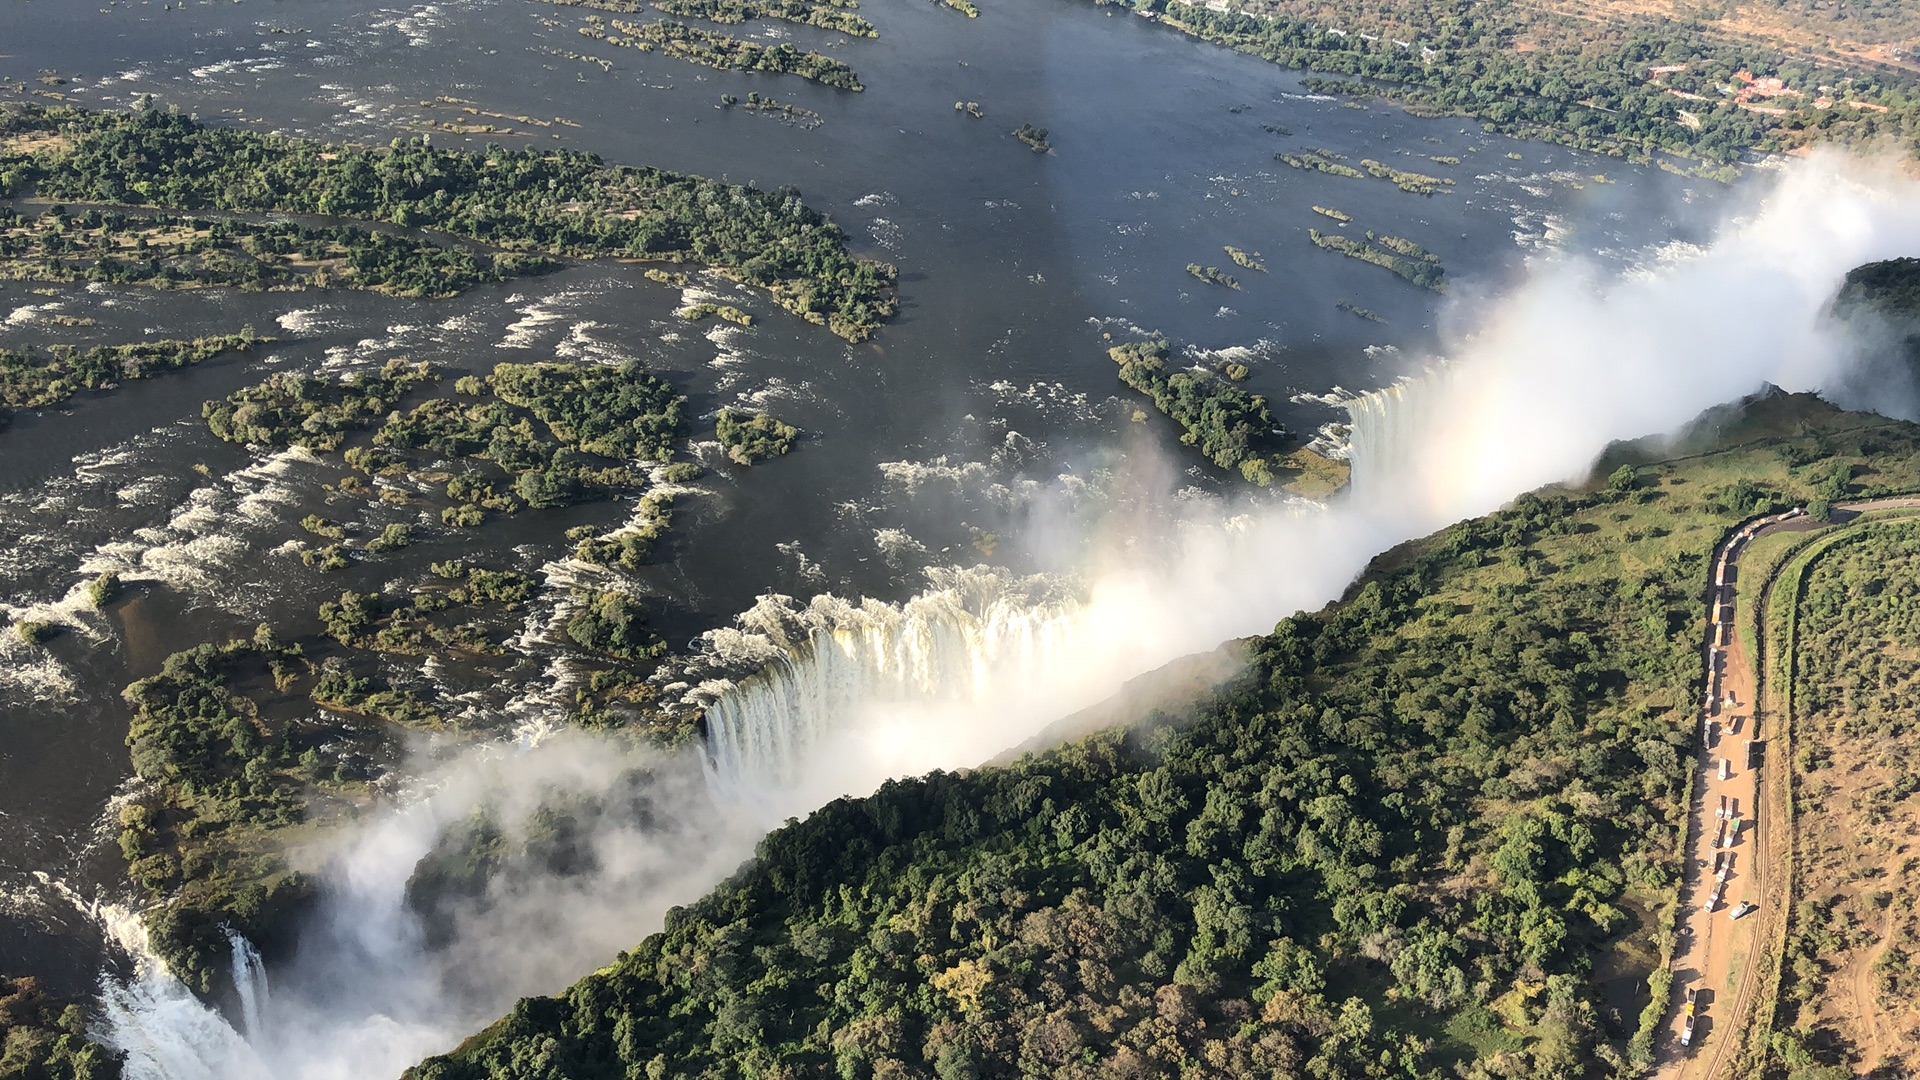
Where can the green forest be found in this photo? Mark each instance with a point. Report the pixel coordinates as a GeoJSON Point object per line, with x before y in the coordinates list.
{"type": "Point", "coordinates": [45, 1039]}
{"type": "Point", "coordinates": [528, 203]}
{"type": "Point", "coordinates": [167, 251]}
{"type": "Point", "coordinates": [1855, 661]}
{"type": "Point", "coordinates": [1434, 830]}
{"type": "Point", "coordinates": [43, 379]}
{"type": "Point", "coordinates": [1583, 79]}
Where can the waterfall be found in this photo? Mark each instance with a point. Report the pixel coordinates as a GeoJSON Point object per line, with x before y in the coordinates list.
{"type": "Point", "coordinates": [1390, 427]}
{"type": "Point", "coordinates": [249, 981]}
{"type": "Point", "coordinates": [166, 1032]}
{"type": "Point", "coordinates": [849, 694]}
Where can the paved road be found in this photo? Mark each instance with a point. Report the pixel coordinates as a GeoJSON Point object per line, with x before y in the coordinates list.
{"type": "Point", "coordinates": [1725, 870]}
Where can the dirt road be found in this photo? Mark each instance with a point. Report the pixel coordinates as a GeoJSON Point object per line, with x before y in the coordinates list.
{"type": "Point", "coordinates": [1727, 868]}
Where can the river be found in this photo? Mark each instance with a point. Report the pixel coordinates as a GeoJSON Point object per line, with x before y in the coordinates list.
{"type": "Point", "coordinates": [984, 409]}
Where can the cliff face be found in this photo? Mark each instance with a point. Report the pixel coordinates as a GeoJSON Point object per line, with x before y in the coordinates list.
{"type": "Point", "coordinates": [1435, 823]}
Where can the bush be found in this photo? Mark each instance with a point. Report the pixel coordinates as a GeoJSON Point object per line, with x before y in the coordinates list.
{"type": "Point", "coordinates": [104, 589]}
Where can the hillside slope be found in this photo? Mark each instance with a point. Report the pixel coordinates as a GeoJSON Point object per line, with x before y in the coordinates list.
{"type": "Point", "coordinates": [1437, 823]}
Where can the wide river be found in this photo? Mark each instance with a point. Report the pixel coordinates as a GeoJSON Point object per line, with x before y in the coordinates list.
{"type": "Point", "coordinates": [978, 411]}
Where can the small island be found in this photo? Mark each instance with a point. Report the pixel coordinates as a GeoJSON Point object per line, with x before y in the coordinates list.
{"type": "Point", "coordinates": [1213, 275]}
{"type": "Point", "coordinates": [1248, 260]}
{"type": "Point", "coordinates": [749, 438]}
{"type": "Point", "coordinates": [1034, 137]}
{"type": "Point", "coordinates": [1413, 182]}
{"type": "Point", "coordinates": [1234, 429]}
{"type": "Point", "coordinates": [1365, 313]}
{"type": "Point", "coordinates": [35, 379]}
{"type": "Point", "coordinates": [697, 312]}
{"type": "Point", "coordinates": [733, 12]}
{"type": "Point", "coordinates": [1404, 257]}
{"type": "Point", "coordinates": [806, 119]}
{"type": "Point", "coordinates": [709, 48]}
{"type": "Point", "coordinates": [1313, 162]}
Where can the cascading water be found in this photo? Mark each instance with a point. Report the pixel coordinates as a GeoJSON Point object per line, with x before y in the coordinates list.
{"type": "Point", "coordinates": [1388, 427]}
{"type": "Point", "coordinates": [249, 982]}
{"type": "Point", "coordinates": [166, 1032]}
{"type": "Point", "coordinates": [887, 683]}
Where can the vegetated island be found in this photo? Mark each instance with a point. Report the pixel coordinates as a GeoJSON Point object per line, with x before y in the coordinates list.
{"type": "Point", "coordinates": [1034, 137]}
{"type": "Point", "coordinates": [805, 119]}
{"type": "Point", "coordinates": [1326, 211]}
{"type": "Point", "coordinates": [1351, 308]}
{"type": "Point", "coordinates": [1416, 183]}
{"type": "Point", "coordinates": [834, 15]}
{"type": "Point", "coordinates": [824, 16]}
{"type": "Point", "coordinates": [1404, 257]}
{"type": "Point", "coordinates": [1213, 275]}
{"type": "Point", "coordinates": [223, 733]}
{"type": "Point", "coordinates": [522, 202]}
{"type": "Point", "coordinates": [727, 312]}
{"type": "Point", "coordinates": [1710, 83]}
{"type": "Point", "coordinates": [1435, 826]}
{"type": "Point", "coordinates": [964, 7]}
{"type": "Point", "coordinates": [1249, 260]}
{"type": "Point", "coordinates": [709, 48]}
{"type": "Point", "coordinates": [169, 251]}
{"type": "Point", "coordinates": [1234, 429]}
{"type": "Point", "coordinates": [44, 379]}
{"type": "Point", "coordinates": [1317, 163]}
{"type": "Point", "coordinates": [750, 437]}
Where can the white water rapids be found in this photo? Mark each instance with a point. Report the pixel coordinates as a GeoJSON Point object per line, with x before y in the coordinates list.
{"type": "Point", "coordinates": [849, 695]}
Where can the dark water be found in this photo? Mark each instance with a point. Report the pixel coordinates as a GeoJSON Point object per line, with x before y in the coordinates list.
{"type": "Point", "coordinates": [957, 421]}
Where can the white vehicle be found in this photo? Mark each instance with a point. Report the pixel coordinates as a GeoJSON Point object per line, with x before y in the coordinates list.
{"type": "Point", "coordinates": [1733, 725]}
{"type": "Point", "coordinates": [1712, 730]}
{"type": "Point", "coordinates": [1744, 910]}
{"type": "Point", "coordinates": [1735, 812]}
{"type": "Point", "coordinates": [1686, 1032]}
{"type": "Point", "coordinates": [1722, 812]}
{"type": "Point", "coordinates": [1729, 835]}
{"type": "Point", "coordinates": [1726, 769]}
{"type": "Point", "coordinates": [1720, 841]}
{"type": "Point", "coordinates": [1713, 898]}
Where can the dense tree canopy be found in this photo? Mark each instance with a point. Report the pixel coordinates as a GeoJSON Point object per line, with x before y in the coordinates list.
{"type": "Point", "coordinates": [554, 202]}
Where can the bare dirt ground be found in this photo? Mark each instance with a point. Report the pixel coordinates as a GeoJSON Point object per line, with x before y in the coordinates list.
{"type": "Point", "coordinates": [1805, 32]}
{"type": "Point", "coordinates": [1860, 859]}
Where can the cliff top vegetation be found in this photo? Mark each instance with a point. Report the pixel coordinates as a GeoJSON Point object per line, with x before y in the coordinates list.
{"type": "Point", "coordinates": [1433, 827]}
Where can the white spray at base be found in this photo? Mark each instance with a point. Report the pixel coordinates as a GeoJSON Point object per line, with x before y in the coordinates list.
{"type": "Point", "coordinates": [1573, 360]}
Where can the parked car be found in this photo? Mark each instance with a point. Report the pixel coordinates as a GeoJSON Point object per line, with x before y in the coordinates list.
{"type": "Point", "coordinates": [1744, 910]}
